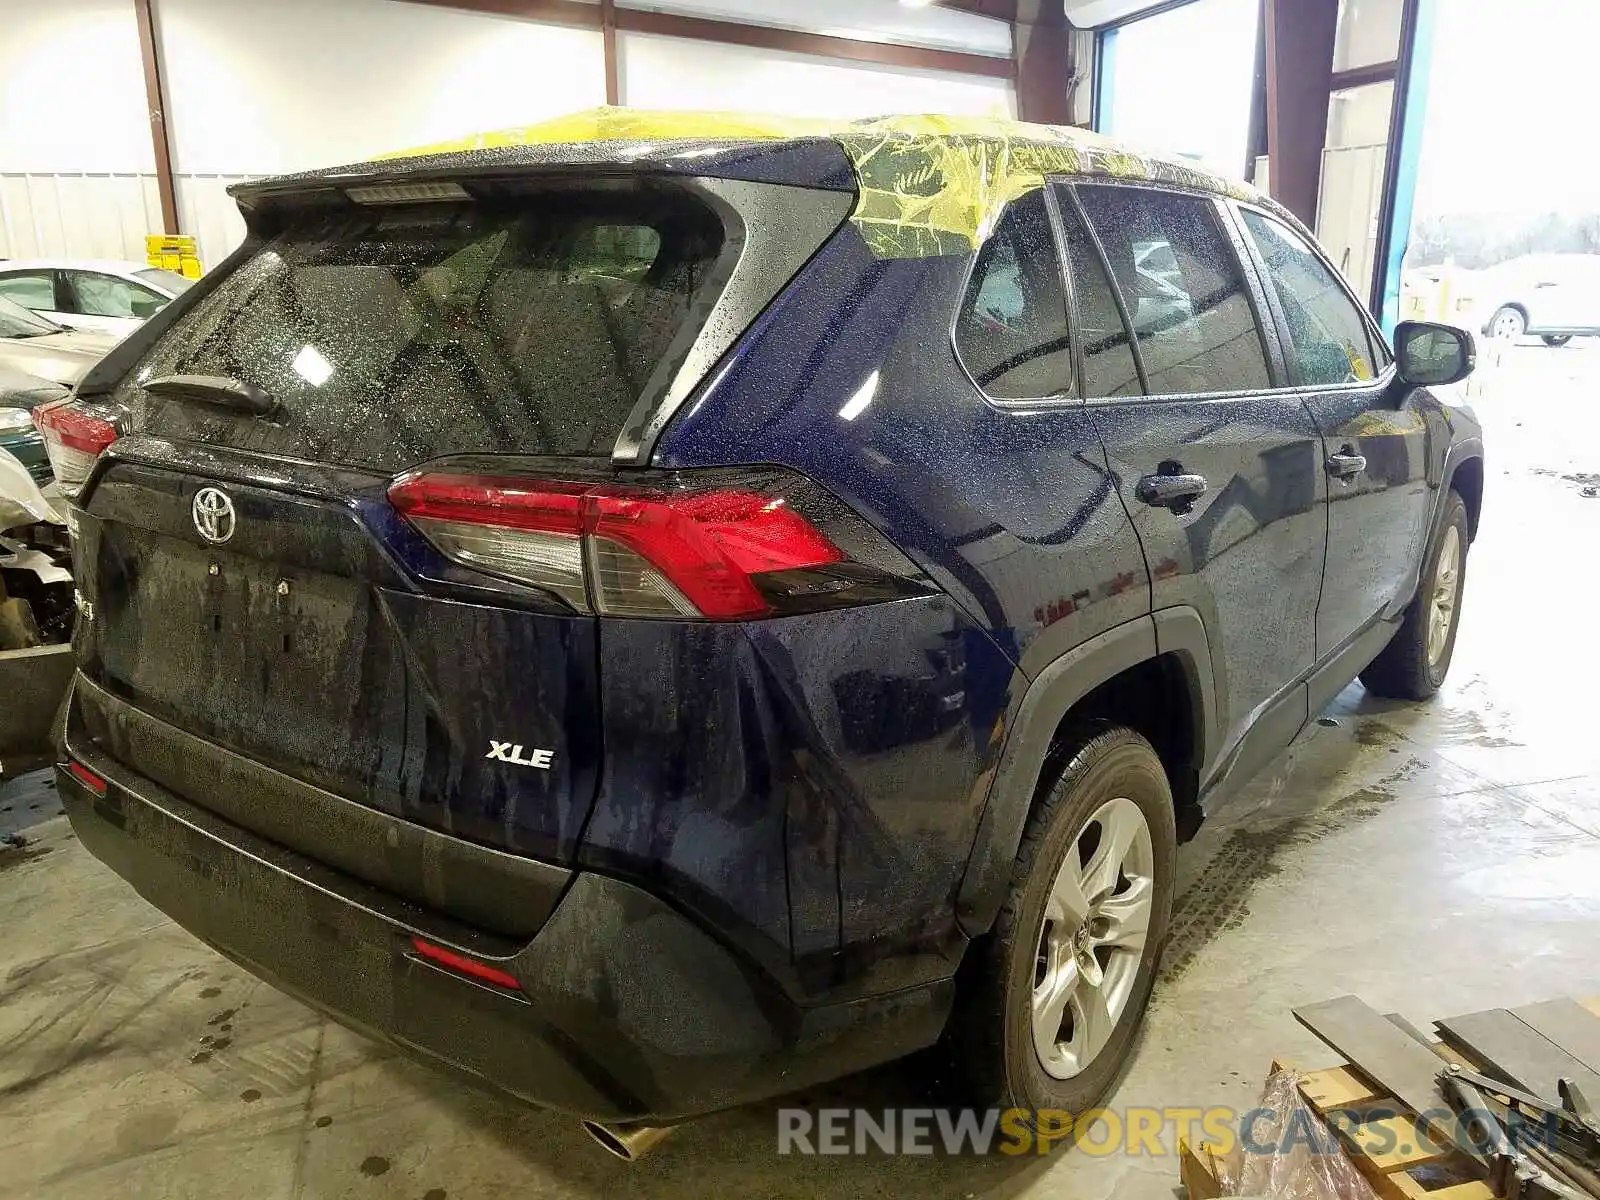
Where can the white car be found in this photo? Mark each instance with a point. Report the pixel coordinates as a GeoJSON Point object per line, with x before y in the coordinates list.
{"type": "Point", "coordinates": [1555, 297]}
{"type": "Point", "coordinates": [38, 346]}
{"type": "Point", "coordinates": [105, 295]}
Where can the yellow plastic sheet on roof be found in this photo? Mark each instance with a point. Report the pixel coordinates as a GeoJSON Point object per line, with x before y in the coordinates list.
{"type": "Point", "coordinates": [929, 184]}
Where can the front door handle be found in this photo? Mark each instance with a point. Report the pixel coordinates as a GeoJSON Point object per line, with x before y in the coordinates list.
{"type": "Point", "coordinates": [1177, 492]}
{"type": "Point", "coordinates": [1347, 463]}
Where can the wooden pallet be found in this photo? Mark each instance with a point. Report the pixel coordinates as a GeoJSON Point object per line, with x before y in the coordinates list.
{"type": "Point", "coordinates": [1413, 1168]}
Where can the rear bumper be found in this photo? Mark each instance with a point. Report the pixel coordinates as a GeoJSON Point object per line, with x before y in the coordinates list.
{"type": "Point", "coordinates": [629, 1011]}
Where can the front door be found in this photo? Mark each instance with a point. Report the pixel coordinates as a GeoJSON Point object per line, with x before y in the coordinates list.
{"type": "Point", "coordinates": [1220, 472]}
{"type": "Point", "coordinates": [1375, 435]}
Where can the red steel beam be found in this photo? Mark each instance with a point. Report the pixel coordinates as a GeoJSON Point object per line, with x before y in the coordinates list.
{"type": "Point", "coordinates": [608, 44]}
{"type": "Point", "coordinates": [1041, 46]}
{"type": "Point", "coordinates": [1300, 36]}
{"type": "Point", "coordinates": [155, 98]}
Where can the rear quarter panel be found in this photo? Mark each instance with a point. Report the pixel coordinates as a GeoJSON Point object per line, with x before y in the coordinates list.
{"type": "Point", "coordinates": [851, 379]}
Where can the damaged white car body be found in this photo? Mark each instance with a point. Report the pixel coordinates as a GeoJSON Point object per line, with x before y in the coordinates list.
{"type": "Point", "coordinates": [37, 609]}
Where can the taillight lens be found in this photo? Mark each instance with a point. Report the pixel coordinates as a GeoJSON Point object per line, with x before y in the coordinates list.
{"type": "Point", "coordinates": [718, 553]}
{"type": "Point", "coordinates": [74, 439]}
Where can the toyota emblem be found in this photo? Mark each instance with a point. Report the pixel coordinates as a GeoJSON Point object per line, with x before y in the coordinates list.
{"type": "Point", "coordinates": [213, 514]}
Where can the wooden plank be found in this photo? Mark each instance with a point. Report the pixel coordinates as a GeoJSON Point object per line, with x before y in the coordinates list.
{"type": "Point", "coordinates": [1407, 1145]}
{"type": "Point", "coordinates": [1567, 1024]}
{"type": "Point", "coordinates": [1197, 1170]}
{"type": "Point", "coordinates": [1517, 1052]}
{"type": "Point", "coordinates": [1335, 1088]}
{"type": "Point", "coordinates": [1399, 1064]}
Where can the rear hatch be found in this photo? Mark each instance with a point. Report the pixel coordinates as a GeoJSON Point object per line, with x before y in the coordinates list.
{"type": "Point", "coordinates": [249, 582]}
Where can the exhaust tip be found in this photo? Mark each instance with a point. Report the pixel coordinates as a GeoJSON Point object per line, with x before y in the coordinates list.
{"type": "Point", "coordinates": [630, 1143]}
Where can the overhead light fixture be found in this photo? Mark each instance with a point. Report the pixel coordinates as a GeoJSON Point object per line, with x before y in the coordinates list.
{"type": "Point", "coordinates": [915, 3]}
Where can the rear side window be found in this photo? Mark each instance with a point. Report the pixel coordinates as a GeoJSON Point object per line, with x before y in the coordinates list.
{"type": "Point", "coordinates": [1185, 294]}
{"type": "Point", "coordinates": [34, 290]}
{"type": "Point", "coordinates": [1329, 339]}
{"type": "Point", "coordinates": [1011, 333]}
{"type": "Point", "coordinates": [393, 335]}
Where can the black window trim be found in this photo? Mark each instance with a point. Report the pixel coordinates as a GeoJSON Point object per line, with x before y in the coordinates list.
{"type": "Point", "coordinates": [62, 290]}
{"type": "Point", "coordinates": [1067, 187]}
{"type": "Point", "coordinates": [1381, 380]}
{"type": "Point", "coordinates": [1072, 396]}
{"type": "Point", "coordinates": [1271, 345]}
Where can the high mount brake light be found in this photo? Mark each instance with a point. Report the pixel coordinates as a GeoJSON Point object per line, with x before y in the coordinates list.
{"type": "Point", "coordinates": [74, 439]}
{"type": "Point", "coordinates": [619, 551]}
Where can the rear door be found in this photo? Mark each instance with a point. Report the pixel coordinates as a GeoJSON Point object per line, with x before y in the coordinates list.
{"type": "Point", "coordinates": [1567, 294]}
{"type": "Point", "coordinates": [251, 585]}
{"type": "Point", "coordinates": [1217, 465]}
{"type": "Point", "coordinates": [1374, 433]}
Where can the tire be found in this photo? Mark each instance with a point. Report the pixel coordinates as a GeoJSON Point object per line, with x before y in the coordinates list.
{"type": "Point", "coordinates": [1411, 667]}
{"type": "Point", "coordinates": [1508, 323]}
{"type": "Point", "coordinates": [1111, 779]}
{"type": "Point", "coordinates": [1555, 339]}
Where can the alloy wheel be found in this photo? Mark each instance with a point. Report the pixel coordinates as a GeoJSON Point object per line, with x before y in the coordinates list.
{"type": "Point", "coordinates": [1446, 582]}
{"type": "Point", "coordinates": [1508, 324]}
{"type": "Point", "coordinates": [1092, 942]}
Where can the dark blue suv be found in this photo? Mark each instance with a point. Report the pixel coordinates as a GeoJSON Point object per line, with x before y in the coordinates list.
{"type": "Point", "coordinates": [657, 613]}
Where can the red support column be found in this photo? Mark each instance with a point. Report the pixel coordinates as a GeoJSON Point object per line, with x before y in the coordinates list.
{"type": "Point", "coordinates": [1299, 42]}
{"type": "Point", "coordinates": [1042, 52]}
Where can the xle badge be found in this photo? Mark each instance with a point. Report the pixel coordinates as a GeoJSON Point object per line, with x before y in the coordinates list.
{"type": "Point", "coordinates": [507, 753]}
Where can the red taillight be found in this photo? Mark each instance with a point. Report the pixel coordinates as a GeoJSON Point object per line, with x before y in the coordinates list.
{"type": "Point", "coordinates": [619, 551]}
{"type": "Point", "coordinates": [74, 439]}
{"type": "Point", "coordinates": [87, 777]}
{"type": "Point", "coordinates": [460, 964]}
{"type": "Point", "coordinates": [490, 500]}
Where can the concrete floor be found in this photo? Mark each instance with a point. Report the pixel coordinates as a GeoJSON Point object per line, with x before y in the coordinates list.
{"type": "Point", "coordinates": [1435, 859]}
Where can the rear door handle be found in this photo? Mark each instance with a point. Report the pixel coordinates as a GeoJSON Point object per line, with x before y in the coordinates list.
{"type": "Point", "coordinates": [1177, 492]}
{"type": "Point", "coordinates": [1347, 463]}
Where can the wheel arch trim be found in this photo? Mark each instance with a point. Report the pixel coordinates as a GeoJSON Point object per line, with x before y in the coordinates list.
{"type": "Point", "coordinates": [1031, 725]}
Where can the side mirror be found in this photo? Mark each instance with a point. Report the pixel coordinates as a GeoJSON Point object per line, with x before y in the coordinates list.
{"type": "Point", "coordinates": [1431, 355]}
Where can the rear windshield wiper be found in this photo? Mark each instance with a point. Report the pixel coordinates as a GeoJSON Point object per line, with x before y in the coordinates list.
{"type": "Point", "coordinates": [215, 389]}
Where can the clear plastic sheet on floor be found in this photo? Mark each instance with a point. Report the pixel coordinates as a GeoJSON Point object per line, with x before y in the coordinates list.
{"type": "Point", "coordinates": [1289, 1152]}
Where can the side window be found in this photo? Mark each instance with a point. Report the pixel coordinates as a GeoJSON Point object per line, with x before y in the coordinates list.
{"type": "Point", "coordinates": [1185, 295]}
{"type": "Point", "coordinates": [1011, 333]}
{"type": "Point", "coordinates": [108, 296]}
{"type": "Point", "coordinates": [1108, 366]}
{"type": "Point", "coordinates": [31, 289]}
{"type": "Point", "coordinates": [1329, 339]}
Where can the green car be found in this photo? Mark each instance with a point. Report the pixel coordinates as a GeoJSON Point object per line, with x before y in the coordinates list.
{"type": "Point", "coordinates": [20, 394]}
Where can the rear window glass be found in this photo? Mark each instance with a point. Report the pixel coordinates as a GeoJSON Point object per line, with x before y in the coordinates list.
{"type": "Point", "coordinates": [393, 335]}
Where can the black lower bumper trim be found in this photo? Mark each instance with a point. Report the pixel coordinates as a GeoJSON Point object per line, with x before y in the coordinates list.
{"type": "Point", "coordinates": [630, 1010]}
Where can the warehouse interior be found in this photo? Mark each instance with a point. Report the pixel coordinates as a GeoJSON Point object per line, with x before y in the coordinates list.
{"type": "Point", "coordinates": [1431, 857]}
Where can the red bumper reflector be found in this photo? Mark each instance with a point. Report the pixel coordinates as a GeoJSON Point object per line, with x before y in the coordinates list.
{"type": "Point", "coordinates": [460, 964]}
{"type": "Point", "coordinates": [87, 777]}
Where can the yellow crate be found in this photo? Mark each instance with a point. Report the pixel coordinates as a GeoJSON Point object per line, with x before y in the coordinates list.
{"type": "Point", "coordinates": [174, 252]}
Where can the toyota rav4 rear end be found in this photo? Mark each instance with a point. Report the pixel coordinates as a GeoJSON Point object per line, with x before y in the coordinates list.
{"type": "Point", "coordinates": [410, 680]}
